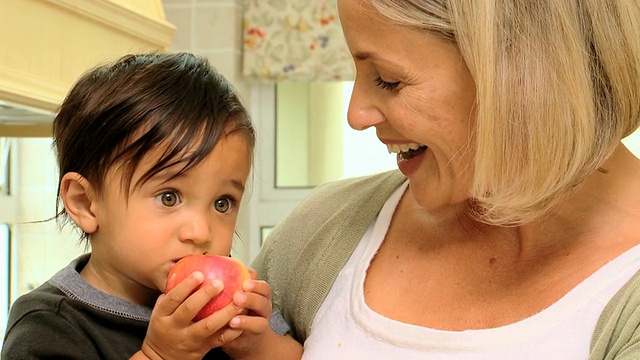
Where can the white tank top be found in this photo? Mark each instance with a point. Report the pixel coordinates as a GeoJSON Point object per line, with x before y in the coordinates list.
{"type": "Point", "coordinates": [346, 328]}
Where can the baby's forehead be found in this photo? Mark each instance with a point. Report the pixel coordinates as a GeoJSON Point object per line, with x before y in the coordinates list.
{"type": "Point", "coordinates": [182, 147]}
{"type": "Point", "coordinates": [167, 158]}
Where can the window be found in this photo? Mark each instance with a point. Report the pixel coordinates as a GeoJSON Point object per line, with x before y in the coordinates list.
{"type": "Point", "coordinates": [303, 140]}
{"type": "Point", "coordinates": [314, 143]}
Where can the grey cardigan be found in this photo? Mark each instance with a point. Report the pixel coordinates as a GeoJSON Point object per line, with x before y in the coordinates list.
{"type": "Point", "coordinates": [304, 254]}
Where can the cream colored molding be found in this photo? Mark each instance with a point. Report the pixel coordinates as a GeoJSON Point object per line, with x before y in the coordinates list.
{"type": "Point", "coordinates": [47, 44]}
{"type": "Point", "coordinates": [26, 90]}
{"type": "Point", "coordinates": [123, 17]}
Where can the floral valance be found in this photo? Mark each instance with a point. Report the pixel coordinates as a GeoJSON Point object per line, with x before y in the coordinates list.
{"type": "Point", "coordinates": [294, 40]}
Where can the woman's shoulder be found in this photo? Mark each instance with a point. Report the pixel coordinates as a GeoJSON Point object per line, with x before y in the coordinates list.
{"type": "Point", "coordinates": [333, 202]}
{"type": "Point", "coordinates": [357, 188]}
{"type": "Point", "coordinates": [616, 334]}
{"type": "Point", "coordinates": [390, 179]}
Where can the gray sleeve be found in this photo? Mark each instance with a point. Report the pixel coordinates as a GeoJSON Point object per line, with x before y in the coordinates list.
{"type": "Point", "coordinates": [277, 323]}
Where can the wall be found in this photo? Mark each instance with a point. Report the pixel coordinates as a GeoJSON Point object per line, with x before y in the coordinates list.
{"type": "Point", "coordinates": [212, 28]}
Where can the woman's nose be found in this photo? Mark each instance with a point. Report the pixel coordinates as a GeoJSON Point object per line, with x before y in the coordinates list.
{"type": "Point", "coordinates": [363, 109]}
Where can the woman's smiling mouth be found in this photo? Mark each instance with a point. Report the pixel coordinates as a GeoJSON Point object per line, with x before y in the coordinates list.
{"type": "Point", "coordinates": [406, 151]}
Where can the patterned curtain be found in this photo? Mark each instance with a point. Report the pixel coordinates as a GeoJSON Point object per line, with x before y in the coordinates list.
{"type": "Point", "coordinates": [294, 40]}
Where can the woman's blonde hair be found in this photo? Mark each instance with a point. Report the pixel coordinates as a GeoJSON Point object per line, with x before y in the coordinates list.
{"type": "Point", "coordinates": [558, 87]}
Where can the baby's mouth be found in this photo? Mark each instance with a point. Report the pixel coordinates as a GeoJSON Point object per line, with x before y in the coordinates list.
{"type": "Point", "coordinates": [406, 151]}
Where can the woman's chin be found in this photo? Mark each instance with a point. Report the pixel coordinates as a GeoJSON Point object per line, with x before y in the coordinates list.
{"type": "Point", "coordinates": [434, 198]}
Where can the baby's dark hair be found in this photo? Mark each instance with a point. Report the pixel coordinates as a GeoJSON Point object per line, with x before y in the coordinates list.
{"type": "Point", "coordinates": [117, 113]}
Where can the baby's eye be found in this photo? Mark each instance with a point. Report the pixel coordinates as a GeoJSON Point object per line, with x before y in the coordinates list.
{"type": "Point", "coordinates": [169, 198]}
{"type": "Point", "coordinates": [224, 204]}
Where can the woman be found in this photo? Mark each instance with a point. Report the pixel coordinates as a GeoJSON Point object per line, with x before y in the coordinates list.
{"type": "Point", "coordinates": [512, 230]}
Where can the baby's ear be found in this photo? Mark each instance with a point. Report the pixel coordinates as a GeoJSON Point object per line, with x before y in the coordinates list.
{"type": "Point", "coordinates": [78, 196]}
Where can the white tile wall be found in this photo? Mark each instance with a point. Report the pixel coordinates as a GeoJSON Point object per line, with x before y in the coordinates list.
{"type": "Point", "coordinates": [212, 28]}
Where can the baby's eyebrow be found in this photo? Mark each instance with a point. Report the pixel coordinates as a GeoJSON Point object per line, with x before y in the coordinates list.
{"type": "Point", "coordinates": [237, 184]}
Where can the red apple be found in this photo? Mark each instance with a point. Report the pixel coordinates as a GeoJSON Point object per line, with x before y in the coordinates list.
{"type": "Point", "coordinates": [231, 272]}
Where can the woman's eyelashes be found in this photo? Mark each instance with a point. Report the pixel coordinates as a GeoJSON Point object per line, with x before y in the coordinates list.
{"type": "Point", "coordinates": [385, 85]}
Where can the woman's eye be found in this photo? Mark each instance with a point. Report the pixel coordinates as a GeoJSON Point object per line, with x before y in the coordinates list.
{"type": "Point", "coordinates": [223, 205]}
{"type": "Point", "coordinates": [386, 85]}
{"type": "Point", "coordinates": [169, 198]}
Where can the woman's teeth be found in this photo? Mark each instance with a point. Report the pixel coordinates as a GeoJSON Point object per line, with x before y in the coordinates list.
{"type": "Point", "coordinates": [397, 148]}
{"type": "Point", "coordinates": [406, 151]}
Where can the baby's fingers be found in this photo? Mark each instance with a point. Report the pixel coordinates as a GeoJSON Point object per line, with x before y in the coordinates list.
{"type": "Point", "coordinates": [168, 304]}
{"type": "Point", "coordinates": [253, 274]}
{"type": "Point", "coordinates": [252, 324]}
{"type": "Point", "coordinates": [256, 303]}
{"type": "Point", "coordinates": [212, 324]}
{"type": "Point", "coordinates": [224, 336]}
{"type": "Point", "coordinates": [196, 301]}
{"type": "Point", "coordinates": [257, 286]}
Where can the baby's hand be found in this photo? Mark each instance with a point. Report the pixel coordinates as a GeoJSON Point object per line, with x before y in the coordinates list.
{"type": "Point", "coordinates": [256, 298]}
{"type": "Point", "coordinates": [173, 335]}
